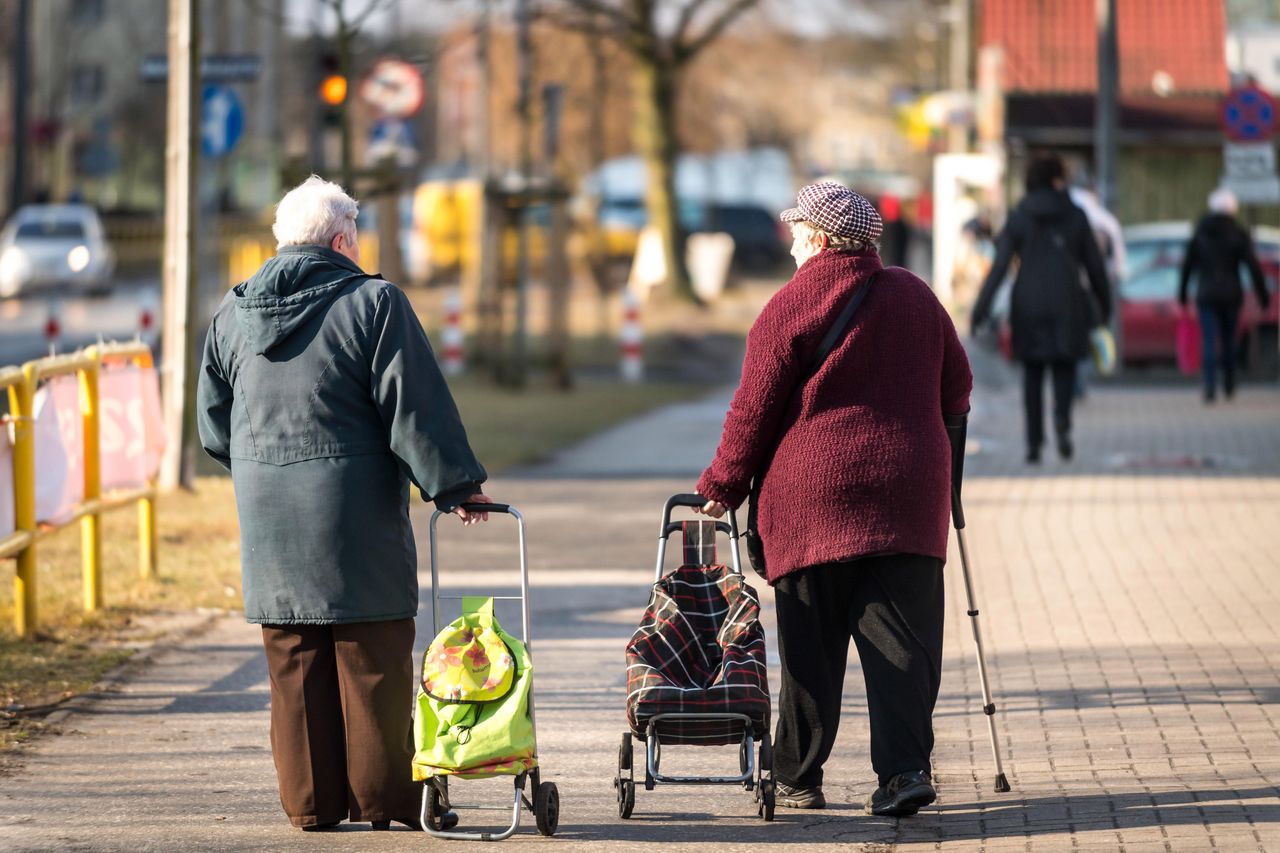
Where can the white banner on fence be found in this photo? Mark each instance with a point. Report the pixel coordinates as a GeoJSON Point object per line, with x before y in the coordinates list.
{"type": "Point", "coordinates": [7, 523]}
{"type": "Point", "coordinates": [130, 426]}
{"type": "Point", "coordinates": [59, 450]}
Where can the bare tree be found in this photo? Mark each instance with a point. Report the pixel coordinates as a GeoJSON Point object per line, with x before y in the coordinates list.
{"type": "Point", "coordinates": [349, 22]}
{"type": "Point", "coordinates": [663, 37]}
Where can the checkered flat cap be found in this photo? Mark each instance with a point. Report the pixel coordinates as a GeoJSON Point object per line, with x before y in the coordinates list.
{"type": "Point", "coordinates": [838, 210]}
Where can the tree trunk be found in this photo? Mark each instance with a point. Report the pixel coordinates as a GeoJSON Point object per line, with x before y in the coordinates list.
{"type": "Point", "coordinates": [655, 136]}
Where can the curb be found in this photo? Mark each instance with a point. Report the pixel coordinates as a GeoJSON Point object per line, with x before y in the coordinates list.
{"type": "Point", "coordinates": [200, 622]}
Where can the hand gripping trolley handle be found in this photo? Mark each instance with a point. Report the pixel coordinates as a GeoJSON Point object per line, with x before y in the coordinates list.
{"type": "Point", "coordinates": [435, 814]}
{"type": "Point", "coordinates": [753, 776]}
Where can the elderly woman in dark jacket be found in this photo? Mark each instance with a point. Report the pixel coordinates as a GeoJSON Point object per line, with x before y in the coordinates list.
{"type": "Point", "coordinates": [854, 502]}
{"type": "Point", "coordinates": [320, 393]}
{"type": "Point", "coordinates": [1051, 313]}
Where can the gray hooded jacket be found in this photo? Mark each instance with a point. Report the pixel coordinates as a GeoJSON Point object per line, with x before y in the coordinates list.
{"type": "Point", "coordinates": [320, 393]}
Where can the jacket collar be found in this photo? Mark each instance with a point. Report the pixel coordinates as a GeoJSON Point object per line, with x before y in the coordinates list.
{"type": "Point", "coordinates": [318, 251]}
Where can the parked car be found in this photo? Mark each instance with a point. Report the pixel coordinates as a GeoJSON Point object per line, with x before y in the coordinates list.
{"type": "Point", "coordinates": [45, 246]}
{"type": "Point", "coordinates": [1148, 302]}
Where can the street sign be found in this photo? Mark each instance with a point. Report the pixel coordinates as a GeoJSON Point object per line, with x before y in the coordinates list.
{"type": "Point", "coordinates": [396, 88]}
{"type": "Point", "coordinates": [215, 68]}
{"type": "Point", "coordinates": [1249, 114]}
{"type": "Point", "coordinates": [1249, 160]}
{"type": "Point", "coordinates": [391, 137]}
{"type": "Point", "coordinates": [221, 121]}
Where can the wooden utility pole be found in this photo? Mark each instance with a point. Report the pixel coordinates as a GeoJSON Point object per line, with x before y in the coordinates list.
{"type": "Point", "coordinates": [182, 140]}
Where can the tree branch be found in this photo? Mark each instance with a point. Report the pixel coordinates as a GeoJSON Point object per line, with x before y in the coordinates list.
{"type": "Point", "coordinates": [687, 14]}
{"type": "Point", "coordinates": [687, 51]}
{"type": "Point", "coordinates": [605, 10]}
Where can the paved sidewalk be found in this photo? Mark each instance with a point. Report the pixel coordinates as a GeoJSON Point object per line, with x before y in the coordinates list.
{"type": "Point", "coordinates": [1127, 601]}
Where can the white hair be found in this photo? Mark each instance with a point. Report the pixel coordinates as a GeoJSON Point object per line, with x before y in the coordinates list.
{"type": "Point", "coordinates": [314, 212]}
{"type": "Point", "coordinates": [1223, 200]}
{"type": "Point", "coordinates": [848, 244]}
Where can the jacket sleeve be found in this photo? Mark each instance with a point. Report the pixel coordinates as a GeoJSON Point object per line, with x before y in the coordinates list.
{"type": "Point", "coordinates": [1255, 270]}
{"type": "Point", "coordinates": [1190, 258]}
{"type": "Point", "coordinates": [957, 377]}
{"type": "Point", "coordinates": [770, 372]}
{"type": "Point", "coordinates": [214, 398]}
{"type": "Point", "coordinates": [1095, 268]}
{"type": "Point", "coordinates": [1006, 248]}
{"type": "Point", "coordinates": [422, 422]}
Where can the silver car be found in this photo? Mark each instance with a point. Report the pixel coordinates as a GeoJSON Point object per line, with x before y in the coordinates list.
{"type": "Point", "coordinates": [45, 246]}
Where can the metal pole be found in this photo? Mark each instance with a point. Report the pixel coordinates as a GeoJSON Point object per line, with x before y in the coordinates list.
{"type": "Point", "coordinates": [21, 73]}
{"type": "Point", "coordinates": [518, 373]}
{"type": "Point", "coordinates": [181, 166]}
{"type": "Point", "coordinates": [958, 135]}
{"type": "Point", "coordinates": [1105, 123]}
{"type": "Point", "coordinates": [91, 524]}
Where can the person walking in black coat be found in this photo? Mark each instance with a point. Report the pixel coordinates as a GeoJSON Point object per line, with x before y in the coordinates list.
{"type": "Point", "coordinates": [1051, 312]}
{"type": "Point", "coordinates": [1217, 249]}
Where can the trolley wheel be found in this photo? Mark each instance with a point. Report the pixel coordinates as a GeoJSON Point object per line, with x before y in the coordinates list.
{"type": "Point", "coordinates": [439, 818]}
{"type": "Point", "coordinates": [766, 754]}
{"type": "Point", "coordinates": [626, 797]}
{"type": "Point", "coordinates": [742, 756]}
{"type": "Point", "coordinates": [546, 808]}
{"type": "Point", "coordinates": [766, 798]}
{"type": "Point", "coordinates": [624, 753]}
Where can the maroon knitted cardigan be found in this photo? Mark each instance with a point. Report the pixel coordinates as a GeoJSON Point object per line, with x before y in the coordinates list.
{"type": "Point", "coordinates": [863, 465]}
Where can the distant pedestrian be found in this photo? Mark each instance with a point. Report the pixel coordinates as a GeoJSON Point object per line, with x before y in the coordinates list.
{"type": "Point", "coordinates": [320, 393]}
{"type": "Point", "coordinates": [1214, 255]}
{"type": "Point", "coordinates": [856, 490]}
{"type": "Point", "coordinates": [1051, 312]}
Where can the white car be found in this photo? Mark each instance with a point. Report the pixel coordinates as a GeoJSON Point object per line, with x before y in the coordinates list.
{"type": "Point", "coordinates": [45, 246]}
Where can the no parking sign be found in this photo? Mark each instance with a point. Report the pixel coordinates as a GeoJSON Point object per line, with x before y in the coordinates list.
{"type": "Point", "coordinates": [1249, 114]}
{"type": "Point", "coordinates": [1249, 119]}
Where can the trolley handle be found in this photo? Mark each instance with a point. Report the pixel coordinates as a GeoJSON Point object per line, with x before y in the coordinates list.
{"type": "Point", "coordinates": [676, 527]}
{"type": "Point", "coordinates": [482, 507]}
{"type": "Point", "coordinates": [697, 502]}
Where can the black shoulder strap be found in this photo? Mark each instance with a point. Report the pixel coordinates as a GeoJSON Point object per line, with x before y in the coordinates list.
{"type": "Point", "coordinates": [838, 329]}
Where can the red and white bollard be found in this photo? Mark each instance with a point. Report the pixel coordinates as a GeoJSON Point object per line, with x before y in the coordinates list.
{"type": "Point", "coordinates": [53, 327]}
{"type": "Point", "coordinates": [632, 339]}
{"type": "Point", "coordinates": [452, 336]}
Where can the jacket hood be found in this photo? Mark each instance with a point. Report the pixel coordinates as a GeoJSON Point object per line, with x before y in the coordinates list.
{"type": "Point", "coordinates": [1218, 225]}
{"type": "Point", "coordinates": [289, 290]}
{"type": "Point", "coordinates": [1047, 204]}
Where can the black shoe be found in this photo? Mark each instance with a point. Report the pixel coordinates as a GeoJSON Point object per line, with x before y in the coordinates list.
{"type": "Point", "coordinates": [799, 797]}
{"type": "Point", "coordinates": [1209, 398]}
{"type": "Point", "coordinates": [1065, 448]}
{"type": "Point", "coordinates": [1033, 456]}
{"type": "Point", "coordinates": [903, 796]}
{"type": "Point", "coordinates": [321, 827]}
{"type": "Point", "coordinates": [384, 825]}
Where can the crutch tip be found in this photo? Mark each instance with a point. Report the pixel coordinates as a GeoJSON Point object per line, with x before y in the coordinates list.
{"type": "Point", "coordinates": [1002, 784]}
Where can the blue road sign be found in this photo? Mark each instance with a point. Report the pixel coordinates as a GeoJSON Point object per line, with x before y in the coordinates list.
{"type": "Point", "coordinates": [221, 120]}
{"type": "Point", "coordinates": [1249, 114]}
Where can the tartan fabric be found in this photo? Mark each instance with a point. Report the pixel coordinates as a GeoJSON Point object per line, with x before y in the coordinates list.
{"type": "Point", "coordinates": [837, 210]}
{"type": "Point", "coordinates": [699, 649]}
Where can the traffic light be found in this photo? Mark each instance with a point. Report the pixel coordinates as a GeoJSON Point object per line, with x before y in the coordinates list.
{"type": "Point", "coordinates": [333, 89]}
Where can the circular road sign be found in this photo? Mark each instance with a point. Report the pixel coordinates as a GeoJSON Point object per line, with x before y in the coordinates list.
{"type": "Point", "coordinates": [221, 120]}
{"type": "Point", "coordinates": [1249, 114]}
{"type": "Point", "coordinates": [396, 88]}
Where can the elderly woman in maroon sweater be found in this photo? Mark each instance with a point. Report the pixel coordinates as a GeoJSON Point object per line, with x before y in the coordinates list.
{"type": "Point", "coordinates": [855, 497]}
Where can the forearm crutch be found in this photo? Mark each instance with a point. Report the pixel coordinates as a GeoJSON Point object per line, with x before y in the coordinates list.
{"type": "Point", "coordinates": [957, 427]}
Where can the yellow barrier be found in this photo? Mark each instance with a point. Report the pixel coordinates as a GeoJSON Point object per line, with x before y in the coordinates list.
{"type": "Point", "coordinates": [21, 384]}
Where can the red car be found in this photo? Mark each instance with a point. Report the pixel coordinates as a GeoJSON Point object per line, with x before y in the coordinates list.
{"type": "Point", "coordinates": [1149, 299]}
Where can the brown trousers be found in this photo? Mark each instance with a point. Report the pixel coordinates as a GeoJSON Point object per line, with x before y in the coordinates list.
{"type": "Point", "coordinates": [341, 723]}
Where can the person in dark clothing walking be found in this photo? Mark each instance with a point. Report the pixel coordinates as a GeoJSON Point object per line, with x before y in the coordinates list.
{"type": "Point", "coordinates": [853, 506]}
{"type": "Point", "coordinates": [1217, 249]}
{"type": "Point", "coordinates": [320, 393]}
{"type": "Point", "coordinates": [1051, 313]}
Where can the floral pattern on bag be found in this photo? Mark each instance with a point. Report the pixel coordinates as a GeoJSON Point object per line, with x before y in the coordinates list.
{"type": "Point", "coordinates": [466, 664]}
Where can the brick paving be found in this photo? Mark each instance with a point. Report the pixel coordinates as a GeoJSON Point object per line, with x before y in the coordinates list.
{"type": "Point", "coordinates": [1127, 607]}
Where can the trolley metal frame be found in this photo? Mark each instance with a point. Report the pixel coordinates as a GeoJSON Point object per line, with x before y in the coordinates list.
{"type": "Point", "coordinates": [435, 792]}
{"type": "Point", "coordinates": [754, 776]}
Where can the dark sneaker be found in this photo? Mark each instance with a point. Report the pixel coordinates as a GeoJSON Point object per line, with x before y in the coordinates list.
{"type": "Point", "coordinates": [1033, 456]}
{"type": "Point", "coordinates": [798, 797]}
{"type": "Point", "coordinates": [1065, 449]}
{"type": "Point", "coordinates": [903, 796]}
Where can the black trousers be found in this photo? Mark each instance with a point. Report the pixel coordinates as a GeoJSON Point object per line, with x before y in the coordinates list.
{"type": "Point", "coordinates": [341, 699]}
{"type": "Point", "coordinates": [1064, 386]}
{"type": "Point", "coordinates": [893, 608]}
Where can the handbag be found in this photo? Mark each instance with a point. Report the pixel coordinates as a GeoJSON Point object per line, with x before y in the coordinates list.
{"type": "Point", "coordinates": [755, 545]}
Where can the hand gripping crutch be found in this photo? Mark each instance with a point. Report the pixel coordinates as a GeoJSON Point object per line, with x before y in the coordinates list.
{"type": "Point", "coordinates": [957, 427]}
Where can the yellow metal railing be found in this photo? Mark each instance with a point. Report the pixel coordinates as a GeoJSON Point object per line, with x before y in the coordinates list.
{"type": "Point", "coordinates": [22, 384]}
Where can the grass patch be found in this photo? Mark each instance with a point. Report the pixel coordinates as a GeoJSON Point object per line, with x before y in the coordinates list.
{"type": "Point", "coordinates": [199, 546]}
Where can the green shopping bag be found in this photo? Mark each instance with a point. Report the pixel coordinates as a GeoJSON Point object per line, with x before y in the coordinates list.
{"type": "Point", "coordinates": [473, 715]}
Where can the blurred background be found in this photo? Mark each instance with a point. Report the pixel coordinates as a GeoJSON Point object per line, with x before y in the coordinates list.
{"type": "Point", "coordinates": [510, 157]}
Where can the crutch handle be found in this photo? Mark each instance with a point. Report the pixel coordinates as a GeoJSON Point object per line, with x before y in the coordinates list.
{"type": "Point", "coordinates": [957, 430]}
